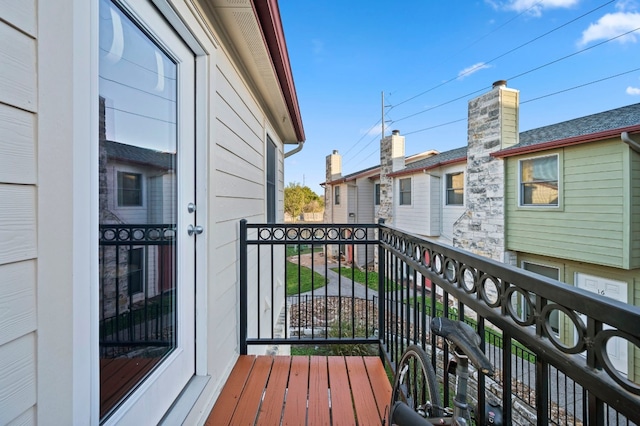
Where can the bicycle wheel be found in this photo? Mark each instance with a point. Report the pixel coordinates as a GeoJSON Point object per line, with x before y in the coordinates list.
{"type": "Point", "coordinates": [415, 383]}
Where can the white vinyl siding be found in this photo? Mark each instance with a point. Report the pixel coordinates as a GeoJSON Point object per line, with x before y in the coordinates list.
{"type": "Point", "coordinates": [17, 145]}
{"type": "Point", "coordinates": [364, 214]}
{"type": "Point", "coordinates": [239, 185]}
{"type": "Point", "coordinates": [18, 220]}
{"type": "Point", "coordinates": [434, 224]}
{"type": "Point", "coordinates": [340, 211]}
{"type": "Point", "coordinates": [414, 218]}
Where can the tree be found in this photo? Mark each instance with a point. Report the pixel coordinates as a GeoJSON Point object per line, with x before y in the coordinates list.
{"type": "Point", "coordinates": [299, 199]}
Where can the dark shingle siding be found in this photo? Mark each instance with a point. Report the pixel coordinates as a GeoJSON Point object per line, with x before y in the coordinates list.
{"type": "Point", "coordinates": [138, 155]}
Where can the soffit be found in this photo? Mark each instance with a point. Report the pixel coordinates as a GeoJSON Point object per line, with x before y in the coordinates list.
{"type": "Point", "coordinates": [243, 37]}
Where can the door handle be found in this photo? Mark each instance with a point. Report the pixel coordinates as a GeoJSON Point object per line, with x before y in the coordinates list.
{"type": "Point", "coordinates": [195, 230]}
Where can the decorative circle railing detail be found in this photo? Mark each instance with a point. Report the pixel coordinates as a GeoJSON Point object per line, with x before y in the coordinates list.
{"type": "Point", "coordinates": [600, 343]}
{"type": "Point", "coordinates": [579, 329]}
{"type": "Point", "coordinates": [468, 279]}
{"type": "Point", "coordinates": [522, 311]}
{"type": "Point", "coordinates": [490, 290]}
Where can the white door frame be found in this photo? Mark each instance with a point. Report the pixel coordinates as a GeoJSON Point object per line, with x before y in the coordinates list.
{"type": "Point", "coordinates": [599, 286]}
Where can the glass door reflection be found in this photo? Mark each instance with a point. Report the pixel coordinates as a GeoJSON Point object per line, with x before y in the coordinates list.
{"type": "Point", "coordinates": [137, 205]}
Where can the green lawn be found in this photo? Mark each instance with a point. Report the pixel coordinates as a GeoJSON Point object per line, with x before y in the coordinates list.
{"type": "Point", "coordinates": [370, 278]}
{"type": "Point", "coordinates": [362, 277]}
{"type": "Point", "coordinates": [307, 277]}
{"type": "Point", "coordinates": [491, 335]}
{"type": "Point", "coordinates": [293, 249]}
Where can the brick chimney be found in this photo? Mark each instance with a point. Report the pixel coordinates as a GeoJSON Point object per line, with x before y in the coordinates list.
{"type": "Point", "coordinates": [392, 159]}
{"type": "Point", "coordinates": [492, 126]}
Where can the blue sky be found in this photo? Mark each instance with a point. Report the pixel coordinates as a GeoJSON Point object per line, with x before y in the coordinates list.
{"type": "Point", "coordinates": [430, 59]}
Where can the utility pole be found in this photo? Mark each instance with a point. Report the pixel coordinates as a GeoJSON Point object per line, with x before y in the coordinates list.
{"type": "Point", "coordinates": [382, 118]}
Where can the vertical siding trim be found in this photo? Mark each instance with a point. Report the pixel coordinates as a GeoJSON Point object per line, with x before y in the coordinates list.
{"type": "Point", "coordinates": [627, 202]}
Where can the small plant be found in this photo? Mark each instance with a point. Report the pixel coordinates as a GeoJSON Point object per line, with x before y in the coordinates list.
{"type": "Point", "coordinates": [345, 329]}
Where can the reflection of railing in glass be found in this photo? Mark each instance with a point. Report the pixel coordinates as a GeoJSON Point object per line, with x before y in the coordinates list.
{"type": "Point", "coordinates": [137, 304]}
{"type": "Point", "coordinates": [136, 288]}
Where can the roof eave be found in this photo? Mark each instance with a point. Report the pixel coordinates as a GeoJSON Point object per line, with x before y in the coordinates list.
{"type": "Point", "coordinates": [268, 14]}
{"type": "Point", "coordinates": [560, 143]}
{"type": "Point", "coordinates": [427, 168]}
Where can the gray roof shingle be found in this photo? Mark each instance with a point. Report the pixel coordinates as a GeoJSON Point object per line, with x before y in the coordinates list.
{"type": "Point", "coordinates": [443, 157]}
{"type": "Point", "coordinates": [608, 120]}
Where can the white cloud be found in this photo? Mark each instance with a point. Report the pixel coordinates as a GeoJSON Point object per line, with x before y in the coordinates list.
{"type": "Point", "coordinates": [532, 7]}
{"type": "Point", "coordinates": [374, 131]}
{"type": "Point", "coordinates": [633, 91]}
{"type": "Point", "coordinates": [472, 69]}
{"type": "Point", "coordinates": [612, 25]}
{"type": "Point", "coordinates": [625, 5]}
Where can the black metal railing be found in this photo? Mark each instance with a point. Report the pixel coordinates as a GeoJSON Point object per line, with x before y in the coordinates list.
{"type": "Point", "coordinates": [558, 373]}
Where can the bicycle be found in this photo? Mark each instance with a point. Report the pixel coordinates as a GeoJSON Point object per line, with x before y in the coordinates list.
{"type": "Point", "coordinates": [415, 399]}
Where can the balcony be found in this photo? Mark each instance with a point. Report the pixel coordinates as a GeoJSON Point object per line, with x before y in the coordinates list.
{"type": "Point", "coordinates": [553, 345]}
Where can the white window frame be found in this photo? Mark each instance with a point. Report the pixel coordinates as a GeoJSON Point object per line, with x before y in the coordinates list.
{"type": "Point", "coordinates": [376, 194]}
{"type": "Point", "coordinates": [271, 209]}
{"type": "Point", "coordinates": [119, 188]}
{"type": "Point", "coordinates": [447, 189]}
{"type": "Point", "coordinates": [336, 195]}
{"type": "Point", "coordinates": [520, 183]}
{"type": "Point", "coordinates": [402, 202]}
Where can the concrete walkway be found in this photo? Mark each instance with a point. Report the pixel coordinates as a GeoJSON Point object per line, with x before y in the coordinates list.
{"type": "Point", "coordinates": [337, 285]}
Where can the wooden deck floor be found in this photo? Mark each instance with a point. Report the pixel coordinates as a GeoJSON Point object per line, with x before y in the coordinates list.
{"type": "Point", "coordinates": [118, 376]}
{"type": "Point", "coordinates": [301, 390]}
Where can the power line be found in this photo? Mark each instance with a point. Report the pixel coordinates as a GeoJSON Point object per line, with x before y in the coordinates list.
{"type": "Point", "coordinates": [138, 89]}
{"type": "Point", "coordinates": [490, 61]}
{"type": "Point", "coordinates": [461, 50]}
{"type": "Point", "coordinates": [369, 143]}
{"type": "Point", "coordinates": [362, 137]}
{"type": "Point", "coordinates": [442, 104]}
{"type": "Point", "coordinates": [572, 54]}
{"type": "Point", "coordinates": [534, 99]}
{"type": "Point", "coordinates": [140, 115]}
{"type": "Point", "coordinates": [497, 28]}
{"type": "Point", "coordinates": [506, 53]}
{"type": "Point", "coordinates": [581, 85]}
{"type": "Point", "coordinates": [521, 74]}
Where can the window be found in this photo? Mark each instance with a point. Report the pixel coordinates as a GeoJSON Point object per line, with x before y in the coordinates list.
{"type": "Point", "coordinates": [455, 189]}
{"type": "Point", "coordinates": [135, 277]}
{"type": "Point", "coordinates": [539, 181]}
{"type": "Point", "coordinates": [336, 195]}
{"type": "Point", "coordinates": [129, 189]}
{"type": "Point", "coordinates": [271, 181]}
{"type": "Point", "coordinates": [405, 192]}
{"type": "Point", "coordinates": [376, 194]}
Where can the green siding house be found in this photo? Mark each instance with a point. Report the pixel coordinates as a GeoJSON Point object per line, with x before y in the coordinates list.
{"type": "Point", "coordinates": [572, 209]}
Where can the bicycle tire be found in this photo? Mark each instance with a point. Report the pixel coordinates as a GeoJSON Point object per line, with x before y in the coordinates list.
{"type": "Point", "coordinates": [415, 383]}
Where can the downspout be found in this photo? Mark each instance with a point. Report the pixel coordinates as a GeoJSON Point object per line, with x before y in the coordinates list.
{"type": "Point", "coordinates": [632, 144]}
{"type": "Point", "coordinates": [294, 150]}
